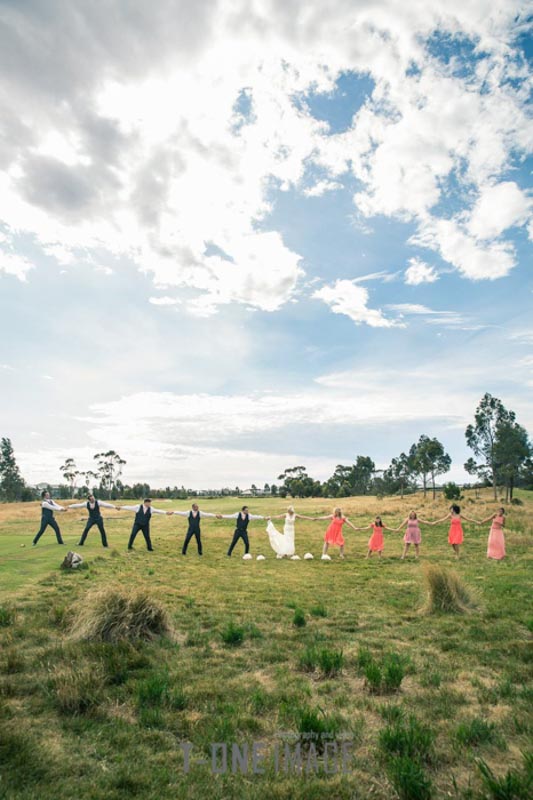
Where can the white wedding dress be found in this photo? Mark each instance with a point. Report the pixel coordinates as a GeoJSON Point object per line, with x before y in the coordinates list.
{"type": "Point", "coordinates": [282, 543]}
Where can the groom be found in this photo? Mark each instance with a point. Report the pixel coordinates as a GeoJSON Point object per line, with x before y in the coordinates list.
{"type": "Point", "coordinates": [143, 514]}
{"type": "Point", "coordinates": [243, 517]}
{"type": "Point", "coordinates": [194, 526]}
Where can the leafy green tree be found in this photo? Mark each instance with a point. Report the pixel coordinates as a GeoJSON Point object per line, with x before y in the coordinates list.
{"type": "Point", "coordinates": [428, 459]}
{"type": "Point", "coordinates": [451, 491]}
{"type": "Point", "coordinates": [400, 472]}
{"type": "Point", "coordinates": [12, 486]}
{"type": "Point", "coordinates": [481, 437]}
{"type": "Point", "coordinates": [109, 470]}
{"type": "Point", "coordinates": [298, 483]}
{"type": "Point", "coordinates": [70, 473]}
{"type": "Point", "coordinates": [362, 475]}
{"type": "Point", "coordinates": [511, 451]}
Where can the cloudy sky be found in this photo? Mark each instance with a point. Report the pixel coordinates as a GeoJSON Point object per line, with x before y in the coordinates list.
{"type": "Point", "coordinates": [238, 236]}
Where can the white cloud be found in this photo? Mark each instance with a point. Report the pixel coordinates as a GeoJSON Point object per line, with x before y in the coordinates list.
{"type": "Point", "coordinates": [384, 276]}
{"type": "Point", "coordinates": [321, 187]}
{"type": "Point", "coordinates": [498, 207]}
{"type": "Point", "coordinates": [474, 259]}
{"type": "Point", "coordinates": [419, 272]}
{"type": "Point", "coordinates": [344, 297]}
{"type": "Point", "coordinates": [158, 161]}
{"type": "Point", "coordinates": [164, 301]}
{"type": "Point", "coordinates": [446, 319]}
{"type": "Point", "coordinates": [14, 264]}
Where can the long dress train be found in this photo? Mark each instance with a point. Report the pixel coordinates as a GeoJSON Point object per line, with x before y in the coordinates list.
{"type": "Point", "coordinates": [282, 543]}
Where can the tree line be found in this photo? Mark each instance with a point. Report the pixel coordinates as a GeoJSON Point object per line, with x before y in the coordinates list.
{"type": "Point", "coordinates": [503, 458]}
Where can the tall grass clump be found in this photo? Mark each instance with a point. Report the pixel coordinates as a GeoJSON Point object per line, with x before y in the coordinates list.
{"type": "Point", "coordinates": [330, 662]}
{"type": "Point", "coordinates": [233, 635]}
{"type": "Point", "coordinates": [408, 739]}
{"type": "Point", "coordinates": [514, 785]}
{"type": "Point", "coordinates": [116, 614]}
{"type": "Point", "coordinates": [409, 779]}
{"type": "Point", "coordinates": [308, 660]}
{"type": "Point", "coordinates": [298, 619]}
{"type": "Point", "coordinates": [476, 731]}
{"type": "Point", "coordinates": [76, 690]}
{"type": "Point", "coordinates": [316, 727]}
{"type": "Point", "coordinates": [446, 592]}
{"type": "Point", "coordinates": [7, 616]}
{"type": "Point", "coordinates": [384, 677]}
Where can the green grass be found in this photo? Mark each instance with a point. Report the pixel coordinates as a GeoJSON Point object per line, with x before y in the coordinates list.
{"type": "Point", "coordinates": [105, 719]}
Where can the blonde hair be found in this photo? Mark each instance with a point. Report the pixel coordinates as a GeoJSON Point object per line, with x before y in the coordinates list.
{"type": "Point", "coordinates": [290, 509]}
{"type": "Point", "coordinates": [337, 512]}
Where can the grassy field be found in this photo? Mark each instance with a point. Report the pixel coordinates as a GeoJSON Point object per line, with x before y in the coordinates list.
{"type": "Point", "coordinates": [308, 653]}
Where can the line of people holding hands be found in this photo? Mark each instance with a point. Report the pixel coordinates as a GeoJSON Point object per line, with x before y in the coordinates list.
{"type": "Point", "coordinates": [282, 543]}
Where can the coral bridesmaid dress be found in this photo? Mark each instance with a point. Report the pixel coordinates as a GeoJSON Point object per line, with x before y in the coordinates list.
{"type": "Point", "coordinates": [455, 535]}
{"type": "Point", "coordinates": [496, 543]}
{"type": "Point", "coordinates": [334, 531]}
{"type": "Point", "coordinates": [375, 543]}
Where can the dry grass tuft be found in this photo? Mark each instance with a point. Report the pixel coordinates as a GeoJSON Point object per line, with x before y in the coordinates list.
{"type": "Point", "coordinates": [446, 592]}
{"type": "Point", "coordinates": [116, 614]}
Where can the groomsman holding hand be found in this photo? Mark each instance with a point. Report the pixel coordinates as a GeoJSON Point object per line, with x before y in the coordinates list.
{"type": "Point", "coordinates": [143, 514]}
{"type": "Point", "coordinates": [48, 506]}
{"type": "Point", "coordinates": [95, 517]}
{"type": "Point", "coordinates": [243, 517]}
{"type": "Point", "coordinates": [194, 526]}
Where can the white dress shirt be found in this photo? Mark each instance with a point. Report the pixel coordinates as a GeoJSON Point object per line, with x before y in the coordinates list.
{"type": "Point", "coordinates": [92, 505]}
{"type": "Point", "coordinates": [186, 513]}
{"type": "Point", "coordinates": [141, 505]}
{"type": "Point", "coordinates": [51, 506]}
{"type": "Point", "coordinates": [234, 516]}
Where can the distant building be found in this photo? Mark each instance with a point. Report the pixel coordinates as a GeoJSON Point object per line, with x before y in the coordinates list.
{"type": "Point", "coordinates": [55, 491]}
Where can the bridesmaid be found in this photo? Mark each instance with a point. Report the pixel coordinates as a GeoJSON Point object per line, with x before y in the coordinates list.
{"type": "Point", "coordinates": [455, 534]}
{"type": "Point", "coordinates": [375, 543]}
{"type": "Point", "coordinates": [412, 533]}
{"type": "Point", "coordinates": [334, 532]}
{"type": "Point", "coordinates": [496, 542]}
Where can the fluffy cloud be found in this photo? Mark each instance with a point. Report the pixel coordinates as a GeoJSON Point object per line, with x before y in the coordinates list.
{"type": "Point", "coordinates": [171, 133]}
{"type": "Point", "coordinates": [14, 264]}
{"type": "Point", "coordinates": [345, 297]}
{"type": "Point", "coordinates": [498, 207]}
{"type": "Point", "coordinates": [473, 259]}
{"type": "Point", "coordinates": [419, 272]}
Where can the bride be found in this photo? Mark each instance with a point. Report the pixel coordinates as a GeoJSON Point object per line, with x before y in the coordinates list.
{"type": "Point", "coordinates": [283, 543]}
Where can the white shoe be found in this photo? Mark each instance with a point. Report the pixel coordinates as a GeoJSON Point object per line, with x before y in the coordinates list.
{"type": "Point", "coordinates": [278, 555]}
{"type": "Point", "coordinates": [295, 558]}
{"type": "Point", "coordinates": [325, 557]}
{"type": "Point", "coordinates": [308, 556]}
{"type": "Point", "coordinates": [260, 558]}
{"type": "Point", "coordinates": [247, 557]}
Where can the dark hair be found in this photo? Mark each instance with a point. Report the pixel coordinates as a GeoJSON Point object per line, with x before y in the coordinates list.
{"type": "Point", "coordinates": [43, 494]}
{"type": "Point", "coordinates": [456, 509]}
{"type": "Point", "coordinates": [380, 524]}
{"type": "Point", "coordinates": [502, 509]}
{"type": "Point", "coordinates": [147, 499]}
{"type": "Point", "coordinates": [244, 508]}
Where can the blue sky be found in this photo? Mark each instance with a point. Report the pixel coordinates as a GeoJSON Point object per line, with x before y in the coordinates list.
{"type": "Point", "coordinates": [235, 237]}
